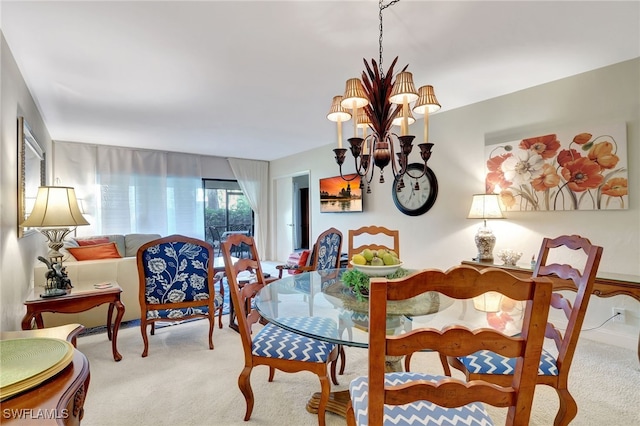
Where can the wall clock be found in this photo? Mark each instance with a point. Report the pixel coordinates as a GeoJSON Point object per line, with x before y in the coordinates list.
{"type": "Point", "coordinates": [412, 201]}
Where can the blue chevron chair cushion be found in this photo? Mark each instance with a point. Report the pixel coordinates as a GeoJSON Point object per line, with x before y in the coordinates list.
{"type": "Point", "coordinates": [276, 342]}
{"type": "Point", "coordinates": [487, 362]}
{"type": "Point", "coordinates": [416, 413]}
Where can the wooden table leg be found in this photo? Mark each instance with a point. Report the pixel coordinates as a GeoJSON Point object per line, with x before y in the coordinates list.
{"type": "Point", "coordinates": [27, 321]}
{"type": "Point", "coordinates": [116, 327]}
{"type": "Point", "coordinates": [109, 316]}
{"type": "Point", "coordinates": [39, 320]}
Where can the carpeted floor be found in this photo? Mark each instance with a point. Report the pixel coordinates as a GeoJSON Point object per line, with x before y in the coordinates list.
{"type": "Point", "coordinates": [181, 382]}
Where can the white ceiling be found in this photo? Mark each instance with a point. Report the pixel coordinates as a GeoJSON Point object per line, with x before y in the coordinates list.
{"type": "Point", "coordinates": [255, 79]}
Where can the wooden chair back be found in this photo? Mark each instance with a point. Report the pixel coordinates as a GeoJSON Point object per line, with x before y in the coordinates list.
{"type": "Point", "coordinates": [242, 292]}
{"type": "Point", "coordinates": [374, 231]}
{"type": "Point", "coordinates": [583, 281]}
{"type": "Point", "coordinates": [462, 282]}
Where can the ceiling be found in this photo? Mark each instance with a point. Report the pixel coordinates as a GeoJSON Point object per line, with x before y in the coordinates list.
{"type": "Point", "coordinates": [255, 79]}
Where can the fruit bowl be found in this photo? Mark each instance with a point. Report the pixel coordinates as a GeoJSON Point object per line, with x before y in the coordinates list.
{"type": "Point", "coordinates": [376, 271]}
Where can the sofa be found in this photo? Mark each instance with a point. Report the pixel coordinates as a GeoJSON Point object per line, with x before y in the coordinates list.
{"type": "Point", "coordinates": [89, 267]}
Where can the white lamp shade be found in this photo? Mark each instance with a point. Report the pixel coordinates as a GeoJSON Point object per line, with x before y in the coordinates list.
{"type": "Point", "coordinates": [336, 112]}
{"type": "Point", "coordinates": [55, 206]}
{"type": "Point", "coordinates": [403, 88]}
{"type": "Point", "coordinates": [485, 206]}
{"type": "Point", "coordinates": [354, 93]}
{"type": "Point", "coordinates": [427, 101]}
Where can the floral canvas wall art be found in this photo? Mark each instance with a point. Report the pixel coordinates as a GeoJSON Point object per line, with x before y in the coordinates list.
{"type": "Point", "coordinates": [580, 169]}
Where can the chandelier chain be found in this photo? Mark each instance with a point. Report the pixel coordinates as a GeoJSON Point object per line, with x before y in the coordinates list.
{"type": "Point", "coordinates": [382, 6]}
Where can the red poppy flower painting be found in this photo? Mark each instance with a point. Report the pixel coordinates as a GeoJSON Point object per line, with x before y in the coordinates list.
{"type": "Point", "coordinates": [579, 169]}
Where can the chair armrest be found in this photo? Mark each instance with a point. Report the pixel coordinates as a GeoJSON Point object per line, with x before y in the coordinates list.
{"type": "Point", "coordinates": [280, 268]}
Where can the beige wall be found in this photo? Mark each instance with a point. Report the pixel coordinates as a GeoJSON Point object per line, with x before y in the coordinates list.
{"type": "Point", "coordinates": [17, 256]}
{"type": "Point", "coordinates": [443, 236]}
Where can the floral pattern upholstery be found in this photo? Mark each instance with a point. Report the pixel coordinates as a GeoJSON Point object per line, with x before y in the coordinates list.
{"type": "Point", "coordinates": [177, 272]}
{"type": "Point", "coordinates": [328, 247]}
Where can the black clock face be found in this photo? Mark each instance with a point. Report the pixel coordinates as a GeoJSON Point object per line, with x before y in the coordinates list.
{"type": "Point", "coordinates": [412, 201]}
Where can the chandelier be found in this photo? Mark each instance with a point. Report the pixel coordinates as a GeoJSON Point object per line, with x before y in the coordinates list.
{"type": "Point", "coordinates": [376, 102]}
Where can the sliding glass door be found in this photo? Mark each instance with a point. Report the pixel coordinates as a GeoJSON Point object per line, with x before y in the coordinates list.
{"type": "Point", "coordinates": [226, 210]}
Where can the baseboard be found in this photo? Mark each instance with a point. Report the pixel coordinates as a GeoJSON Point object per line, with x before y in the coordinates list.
{"type": "Point", "coordinates": [609, 337]}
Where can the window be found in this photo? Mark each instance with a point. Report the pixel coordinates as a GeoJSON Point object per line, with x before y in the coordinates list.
{"type": "Point", "coordinates": [226, 209]}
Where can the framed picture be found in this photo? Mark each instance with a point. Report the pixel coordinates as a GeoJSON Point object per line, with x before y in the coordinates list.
{"type": "Point", "coordinates": [340, 196]}
{"type": "Point", "coordinates": [583, 168]}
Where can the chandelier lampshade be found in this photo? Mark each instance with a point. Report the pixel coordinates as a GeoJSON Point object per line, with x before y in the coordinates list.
{"type": "Point", "coordinates": [338, 115]}
{"type": "Point", "coordinates": [399, 118]}
{"type": "Point", "coordinates": [427, 101]}
{"type": "Point", "coordinates": [403, 89]}
{"type": "Point", "coordinates": [354, 95]}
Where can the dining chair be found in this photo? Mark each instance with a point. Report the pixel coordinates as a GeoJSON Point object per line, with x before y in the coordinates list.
{"type": "Point", "coordinates": [176, 280]}
{"type": "Point", "coordinates": [215, 239]}
{"type": "Point", "coordinates": [553, 369]}
{"type": "Point", "coordinates": [324, 255]}
{"type": "Point", "coordinates": [375, 232]}
{"type": "Point", "coordinates": [274, 346]}
{"type": "Point", "coordinates": [408, 398]}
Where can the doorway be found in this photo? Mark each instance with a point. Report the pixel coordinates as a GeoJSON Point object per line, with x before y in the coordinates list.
{"type": "Point", "coordinates": [293, 214]}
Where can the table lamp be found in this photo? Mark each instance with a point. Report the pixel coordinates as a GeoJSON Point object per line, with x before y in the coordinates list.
{"type": "Point", "coordinates": [55, 214]}
{"type": "Point", "coordinates": [485, 206]}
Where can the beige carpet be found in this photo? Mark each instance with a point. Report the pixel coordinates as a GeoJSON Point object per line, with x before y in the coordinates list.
{"type": "Point", "coordinates": [181, 382]}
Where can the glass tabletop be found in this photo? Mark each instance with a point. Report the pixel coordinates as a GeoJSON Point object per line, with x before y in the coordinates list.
{"type": "Point", "coordinates": [295, 300]}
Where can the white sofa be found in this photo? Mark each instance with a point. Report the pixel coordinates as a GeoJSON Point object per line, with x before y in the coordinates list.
{"type": "Point", "coordinates": [84, 274]}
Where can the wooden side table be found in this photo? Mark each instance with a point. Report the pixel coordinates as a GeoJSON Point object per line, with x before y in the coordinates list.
{"type": "Point", "coordinates": [61, 398]}
{"type": "Point", "coordinates": [75, 302]}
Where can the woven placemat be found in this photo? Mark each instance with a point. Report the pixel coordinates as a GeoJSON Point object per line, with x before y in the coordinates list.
{"type": "Point", "coordinates": [25, 363]}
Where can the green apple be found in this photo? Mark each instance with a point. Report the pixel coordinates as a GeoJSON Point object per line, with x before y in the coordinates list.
{"type": "Point", "coordinates": [367, 254]}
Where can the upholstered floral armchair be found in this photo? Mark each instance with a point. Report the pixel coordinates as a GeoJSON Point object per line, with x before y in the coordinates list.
{"type": "Point", "coordinates": [176, 280]}
{"type": "Point", "coordinates": [325, 254]}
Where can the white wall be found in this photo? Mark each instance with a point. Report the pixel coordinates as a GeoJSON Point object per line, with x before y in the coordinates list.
{"type": "Point", "coordinates": [443, 236]}
{"type": "Point", "coordinates": [17, 256]}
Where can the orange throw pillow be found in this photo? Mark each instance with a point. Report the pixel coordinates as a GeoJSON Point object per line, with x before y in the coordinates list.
{"type": "Point", "coordinates": [96, 251]}
{"type": "Point", "coordinates": [92, 241]}
{"type": "Point", "coordinates": [304, 256]}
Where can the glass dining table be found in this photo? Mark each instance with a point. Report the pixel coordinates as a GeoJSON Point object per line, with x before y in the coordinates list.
{"type": "Point", "coordinates": [323, 294]}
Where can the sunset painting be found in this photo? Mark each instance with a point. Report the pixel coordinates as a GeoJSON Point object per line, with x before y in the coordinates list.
{"type": "Point", "coordinates": [338, 195]}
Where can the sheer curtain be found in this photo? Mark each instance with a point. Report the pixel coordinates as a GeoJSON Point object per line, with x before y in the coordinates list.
{"type": "Point", "coordinates": [253, 178]}
{"type": "Point", "coordinates": [126, 190]}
